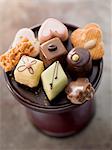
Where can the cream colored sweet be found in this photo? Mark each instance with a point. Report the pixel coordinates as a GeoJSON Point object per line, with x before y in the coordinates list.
{"type": "Point", "coordinates": [54, 80]}
{"type": "Point", "coordinates": [52, 28]}
{"type": "Point", "coordinates": [29, 34]}
{"type": "Point", "coordinates": [28, 71]}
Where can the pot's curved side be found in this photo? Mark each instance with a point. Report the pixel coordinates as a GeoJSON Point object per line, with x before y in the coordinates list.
{"type": "Point", "coordinates": [63, 123]}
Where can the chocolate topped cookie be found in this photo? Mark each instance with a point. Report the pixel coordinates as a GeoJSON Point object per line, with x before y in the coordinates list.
{"type": "Point", "coordinates": [79, 62]}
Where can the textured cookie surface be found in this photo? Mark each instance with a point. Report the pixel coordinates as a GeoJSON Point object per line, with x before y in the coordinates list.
{"type": "Point", "coordinates": [91, 38]}
{"type": "Point", "coordinates": [10, 59]}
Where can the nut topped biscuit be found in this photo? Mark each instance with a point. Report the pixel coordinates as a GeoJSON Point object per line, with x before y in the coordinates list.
{"type": "Point", "coordinates": [29, 34]}
{"type": "Point", "coordinates": [10, 59]}
{"type": "Point", "coordinates": [91, 38]}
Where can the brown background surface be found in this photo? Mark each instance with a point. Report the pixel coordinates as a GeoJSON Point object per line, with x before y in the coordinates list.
{"type": "Point", "coordinates": [16, 132]}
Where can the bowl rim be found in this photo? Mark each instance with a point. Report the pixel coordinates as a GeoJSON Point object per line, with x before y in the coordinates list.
{"type": "Point", "coordinates": [63, 107]}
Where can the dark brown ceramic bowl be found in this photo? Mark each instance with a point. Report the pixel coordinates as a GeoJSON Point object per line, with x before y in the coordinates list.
{"type": "Point", "coordinates": [60, 117]}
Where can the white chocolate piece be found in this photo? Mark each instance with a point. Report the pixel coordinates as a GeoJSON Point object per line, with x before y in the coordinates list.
{"type": "Point", "coordinates": [28, 71]}
{"type": "Point", "coordinates": [54, 80]}
{"type": "Point", "coordinates": [29, 34]}
{"type": "Point", "coordinates": [52, 28]}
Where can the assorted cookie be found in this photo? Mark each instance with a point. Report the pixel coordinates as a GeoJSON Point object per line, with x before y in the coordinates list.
{"type": "Point", "coordinates": [29, 34]}
{"type": "Point", "coordinates": [56, 59]}
{"type": "Point", "coordinates": [91, 38]}
{"type": "Point", "coordinates": [10, 58]}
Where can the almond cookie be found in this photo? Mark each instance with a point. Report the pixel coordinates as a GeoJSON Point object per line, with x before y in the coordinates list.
{"type": "Point", "coordinates": [91, 38]}
{"type": "Point", "coordinates": [10, 59]}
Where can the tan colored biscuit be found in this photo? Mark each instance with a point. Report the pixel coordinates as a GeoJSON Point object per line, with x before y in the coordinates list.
{"type": "Point", "coordinates": [75, 37]}
{"type": "Point", "coordinates": [100, 53]}
{"type": "Point", "coordinates": [92, 33]}
{"type": "Point", "coordinates": [92, 25]}
{"type": "Point", "coordinates": [10, 59]}
{"type": "Point", "coordinates": [91, 38]}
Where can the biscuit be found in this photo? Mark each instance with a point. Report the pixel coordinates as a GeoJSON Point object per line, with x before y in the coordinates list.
{"type": "Point", "coordinates": [10, 59]}
{"type": "Point", "coordinates": [91, 38]}
{"type": "Point", "coordinates": [29, 34]}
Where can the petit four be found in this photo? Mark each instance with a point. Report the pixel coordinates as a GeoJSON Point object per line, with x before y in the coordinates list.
{"type": "Point", "coordinates": [10, 58]}
{"type": "Point", "coordinates": [52, 28]}
{"type": "Point", "coordinates": [29, 34]}
{"type": "Point", "coordinates": [91, 38]}
{"type": "Point", "coordinates": [28, 71]}
{"type": "Point", "coordinates": [54, 80]}
{"type": "Point", "coordinates": [51, 51]}
{"type": "Point", "coordinates": [79, 62]}
{"type": "Point", "coordinates": [80, 91]}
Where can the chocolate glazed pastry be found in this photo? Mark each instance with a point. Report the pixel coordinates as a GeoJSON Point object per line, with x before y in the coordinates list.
{"type": "Point", "coordinates": [61, 117]}
{"type": "Point", "coordinates": [51, 51]}
{"type": "Point", "coordinates": [79, 62]}
{"type": "Point", "coordinates": [80, 91]}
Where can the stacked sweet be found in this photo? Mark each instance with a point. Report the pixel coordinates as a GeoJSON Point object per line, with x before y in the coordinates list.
{"type": "Point", "coordinates": [44, 59]}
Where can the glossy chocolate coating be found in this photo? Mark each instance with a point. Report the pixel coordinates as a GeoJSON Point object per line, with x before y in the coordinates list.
{"type": "Point", "coordinates": [51, 51]}
{"type": "Point", "coordinates": [80, 91]}
{"type": "Point", "coordinates": [82, 66]}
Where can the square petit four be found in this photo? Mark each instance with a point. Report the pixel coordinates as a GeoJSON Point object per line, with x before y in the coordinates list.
{"type": "Point", "coordinates": [51, 51]}
{"type": "Point", "coordinates": [54, 80]}
{"type": "Point", "coordinates": [28, 71]}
